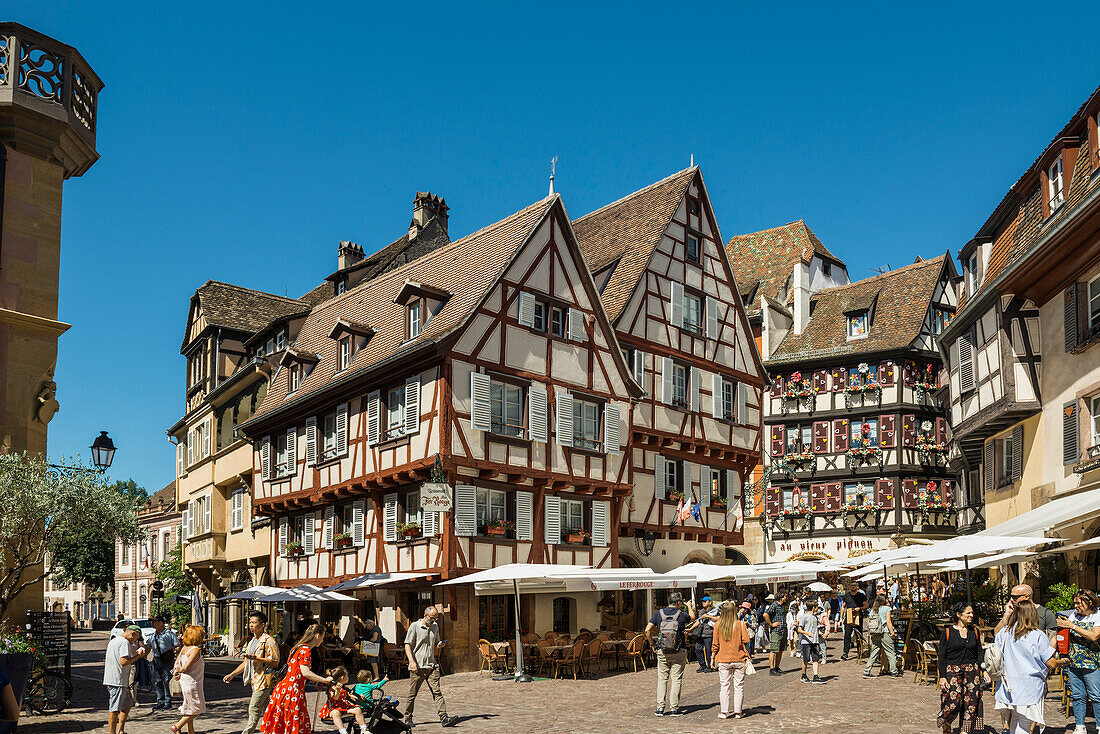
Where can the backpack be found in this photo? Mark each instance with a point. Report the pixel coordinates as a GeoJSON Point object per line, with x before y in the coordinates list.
{"type": "Point", "coordinates": [874, 624]}
{"type": "Point", "coordinates": [668, 633]}
{"type": "Point", "coordinates": [994, 662]}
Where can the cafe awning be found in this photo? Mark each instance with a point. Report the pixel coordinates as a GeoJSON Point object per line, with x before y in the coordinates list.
{"type": "Point", "coordinates": [306, 593]}
{"type": "Point", "coordinates": [371, 580]}
{"type": "Point", "coordinates": [761, 573]}
{"type": "Point", "coordinates": [254, 592]}
{"type": "Point", "coordinates": [1050, 516]}
{"type": "Point", "coordinates": [546, 578]}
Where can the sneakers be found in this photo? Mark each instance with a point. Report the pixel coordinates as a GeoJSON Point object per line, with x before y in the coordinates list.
{"type": "Point", "coordinates": [659, 712]}
{"type": "Point", "coordinates": [804, 679]}
{"type": "Point", "coordinates": [448, 721]}
{"type": "Point", "coordinates": [775, 671]}
{"type": "Point", "coordinates": [676, 712]}
{"type": "Point", "coordinates": [701, 670]}
{"type": "Point", "coordinates": [1080, 730]}
{"type": "Point", "coordinates": [723, 715]}
{"type": "Point", "coordinates": [817, 680]}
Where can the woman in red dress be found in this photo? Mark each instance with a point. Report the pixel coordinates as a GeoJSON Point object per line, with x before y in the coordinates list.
{"type": "Point", "coordinates": [287, 712]}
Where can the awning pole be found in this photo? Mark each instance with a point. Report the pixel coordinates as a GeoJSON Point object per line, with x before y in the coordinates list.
{"type": "Point", "coordinates": [966, 564]}
{"type": "Point", "coordinates": [521, 675]}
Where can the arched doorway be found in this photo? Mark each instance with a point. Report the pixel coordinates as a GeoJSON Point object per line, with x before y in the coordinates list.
{"type": "Point", "coordinates": [623, 609]}
{"type": "Point", "coordinates": [737, 558]}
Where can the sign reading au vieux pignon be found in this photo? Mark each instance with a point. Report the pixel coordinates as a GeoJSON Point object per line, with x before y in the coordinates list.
{"type": "Point", "coordinates": [435, 497]}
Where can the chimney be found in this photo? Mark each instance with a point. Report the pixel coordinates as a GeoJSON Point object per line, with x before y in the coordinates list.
{"type": "Point", "coordinates": [426, 206]}
{"type": "Point", "coordinates": [801, 289]}
{"type": "Point", "coordinates": [348, 254]}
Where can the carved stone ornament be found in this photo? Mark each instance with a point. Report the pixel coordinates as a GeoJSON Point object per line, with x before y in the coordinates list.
{"type": "Point", "coordinates": [46, 405]}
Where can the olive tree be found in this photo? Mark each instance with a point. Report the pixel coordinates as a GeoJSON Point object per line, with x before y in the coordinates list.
{"type": "Point", "coordinates": [43, 507]}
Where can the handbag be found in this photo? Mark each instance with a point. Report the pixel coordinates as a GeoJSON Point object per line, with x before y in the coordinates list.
{"type": "Point", "coordinates": [369, 649]}
{"type": "Point", "coordinates": [750, 669]}
{"type": "Point", "coordinates": [174, 687]}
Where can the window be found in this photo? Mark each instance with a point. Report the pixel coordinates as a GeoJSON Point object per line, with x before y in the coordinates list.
{"type": "Point", "coordinates": [857, 325]}
{"type": "Point", "coordinates": [344, 358]}
{"type": "Point", "coordinates": [788, 498]}
{"type": "Point", "coordinates": [295, 378]}
{"type": "Point", "coordinates": [412, 508]}
{"type": "Point", "coordinates": [125, 549]}
{"type": "Point", "coordinates": [693, 313]}
{"type": "Point", "coordinates": [729, 400]}
{"type": "Point", "coordinates": [563, 619]}
{"type": "Point", "coordinates": [506, 408]}
{"type": "Point", "coordinates": [972, 275]}
{"type": "Point", "coordinates": [558, 321]}
{"type": "Point", "coordinates": [198, 514]}
{"type": "Point", "coordinates": [1055, 190]}
{"type": "Point", "coordinates": [572, 517]}
{"type": "Point", "coordinates": [1094, 412]}
{"type": "Point", "coordinates": [125, 599]}
{"type": "Point", "coordinates": [539, 318]}
{"type": "Point", "coordinates": [858, 432]}
{"type": "Point", "coordinates": [691, 246]}
{"type": "Point", "coordinates": [167, 543]}
{"type": "Point", "coordinates": [492, 504]}
{"type": "Point", "coordinates": [280, 340]}
{"type": "Point", "coordinates": [236, 519]}
{"type": "Point", "coordinates": [586, 424]}
{"type": "Point", "coordinates": [799, 439]}
{"type": "Point", "coordinates": [693, 206]}
{"type": "Point", "coordinates": [496, 615]}
{"type": "Point", "coordinates": [826, 269]}
{"type": "Point", "coordinates": [1005, 445]}
{"type": "Point", "coordinates": [1094, 302]}
{"type": "Point", "coordinates": [395, 412]}
{"type": "Point", "coordinates": [414, 319]}
{"type": "Point", "coordinates": [973, 487]}
{"type": "Point", "coordinates": [141, 600]}
{"type": "Point", "coordinates": [341, 286]}
{"type": "Point", "coordinates": [851, 494]}
{"type": "Point", "coordinates": [282, 455]}
{"type": "Point", "coordinates": [679, 385]}
{"type": "Point", "coordinates": [940, 318]}
{"type": "Point", "coordinates": [195, 368]}
{"type": "Point", "coordinates": [672, 477]}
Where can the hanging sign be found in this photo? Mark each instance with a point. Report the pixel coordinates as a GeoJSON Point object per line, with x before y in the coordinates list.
{"type": "Point", "coordinates": [435, 497]}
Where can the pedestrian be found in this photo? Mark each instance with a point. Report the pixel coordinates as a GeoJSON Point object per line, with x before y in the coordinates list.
{"type": "Point", "coordinates": [261, 660]}
{"type": "Point", "coordinates": [730, 651]}
{"type": "Point", "coordinates": [960, 658]}
{"type": "Point", "coordinates": [808, 639]}
{"type": "Point", "coordinates": [1027, 655]}
{"type": "Point", "coordinates": [855, 604]}
{"type": "Point", "coordinates": [791, 620]}
{"type": "Point", "coordinates": [117, 670]}
{"type": "Point", "coordinates": [422, 644]}
{"type": "Point", "coordinates": [1083, 662]}
{"type": "Point", "coordinates": [744, 613]}
{"type": "Point", "coordinates": [287, 712]}
{"type": "Point", "coordinates": [775, 622]}
{"type": "Point", "coordinates": [895, 594]}
{"type": "Point", "coordinates": [704, 626]}
{"type": "Point", "coordinates": [190, 670]}
{"type": "Point", "coordinates": [370, 642]}
{"type": "Point", "coordinates": [671, 647]}
{"type": "Point", "coordinates": [824, 627]}
{"type": "Point", "coordinates": [880, 628]}
{"type": "Point", "coordinates": [163, 643]}
{"type": "Point", "coordinates": [340, 704]}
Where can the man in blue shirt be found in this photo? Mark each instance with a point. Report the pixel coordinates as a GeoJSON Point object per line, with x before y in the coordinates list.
{"type": "Point", "coordinates": [163, 642]}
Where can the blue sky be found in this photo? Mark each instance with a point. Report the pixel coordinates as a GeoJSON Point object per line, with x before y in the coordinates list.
{"type": "Point", "coordinates": [241, 142]}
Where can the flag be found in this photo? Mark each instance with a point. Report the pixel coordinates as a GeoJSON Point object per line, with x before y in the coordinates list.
{"type": "Point", "coordinates": [683, 512]}
{"type": "Point", "coordinates": [738, 513]}
{"type": "Point", "coordinates": [678, 514]}
{"type": "Point", "coordinates": [696, 512]}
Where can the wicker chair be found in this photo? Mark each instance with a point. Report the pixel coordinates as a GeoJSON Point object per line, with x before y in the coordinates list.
{"type": "Point", "coordinates": [596, 653]}
{"type": "Point", "coordinates": [928, 664]}
{"type": "Point", "coordinates": [574, 661]}
{"type": "Point", "coordinates": [636, 650]}
{"type": "Point", "coordinates": [490, 656]}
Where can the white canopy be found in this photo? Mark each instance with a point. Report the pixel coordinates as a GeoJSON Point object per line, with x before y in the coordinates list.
{"type": "Point", "coordinates": [963, 546]}
{"type": "Point", "coordinates": [761, 573]}
{"type": "Point", "coordinates": [544, 578]}
{"type": "Point", "coordinates": [1079, 546]}
{"type": "Point", "coordinates": [254, 592]}
{"type": "Point", "coordinates": [373, 579]}
{"type": "Point", "coordinates": [306, 593]}
{"type": "Point", "coordinates": [1053, 515]}
{"type": "Point", "coordinates": [1001, 559]}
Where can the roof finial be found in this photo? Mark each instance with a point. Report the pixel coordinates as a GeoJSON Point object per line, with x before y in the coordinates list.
{"type": "Point", "coordinates": [553, 166]}
{"type": "Point", "coordinates": [692, 161]}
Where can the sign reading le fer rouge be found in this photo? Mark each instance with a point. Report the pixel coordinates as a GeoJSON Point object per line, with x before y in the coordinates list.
{"type": "Point", "coordinates": [435, 496]}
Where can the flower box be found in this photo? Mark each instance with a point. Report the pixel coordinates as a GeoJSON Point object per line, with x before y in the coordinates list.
{"type": "Point", "coordinates": [342, 540]}
{"type": "Point", "coordinates": [576, 538]}
{"type": "Point", "coordinates": [718, 502]}
{"type": "Point", "coordinates": [495, 531]}
{"type": "Point", "coordinates": [294, 548]}
{"type": "Point", "coordinates": [674, 496]}
{"type": "Point", "coordinates": [408, 529]}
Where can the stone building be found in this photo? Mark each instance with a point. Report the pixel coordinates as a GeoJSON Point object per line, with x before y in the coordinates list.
{"type": "Point", "coordinates": [136, 563]}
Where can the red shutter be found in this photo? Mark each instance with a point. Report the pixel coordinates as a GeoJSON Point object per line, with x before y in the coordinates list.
{"type": "Point", "coordinates": [771, 501]}
{"type": "Point", "coordinates": [886, 374]}
{"type": "Point", "coordinates": [778, 443]}
{"type": "Point", "coordinates": [777, 386]}
{"type": "Point", "coordinates": [821, 380]}
{"type": "Point", "coordinates": [910, 496]}
{"type": "Point", "coordinates": [884, 493]}
{"type": "Point", "coordinates": [886, 436]}
{"type": "Point", "coordinates": [821, 437]}
{"type": "Point", "coordinates": [909, 430]}
{"type": "Point", "coordinates": [941, 430]}
{"type": "Point", "coordinates": [817, 498]}
{"type": "Point", "coordinates": [910, 374]}
{"type": "Point", "coordinates": [840, 435]}
{"type": "Point", "coordinates": [840, 379]}
{"type": "Point", "coordinates": [834, 496]}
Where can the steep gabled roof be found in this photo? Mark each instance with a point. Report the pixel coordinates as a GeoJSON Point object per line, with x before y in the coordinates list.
{"type": "Point", "coordinates": [762, 261]}
{"type": "Point", "coordinates": [243, 309]}
{"type": "Point", "coordinates": [624, 234]}
{"type": "Point", "coordinates": [467, 268]}
{"type": "Point", "coordinates": [899, 298]}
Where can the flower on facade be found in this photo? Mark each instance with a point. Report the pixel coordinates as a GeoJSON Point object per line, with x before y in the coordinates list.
{"type": "Point", "coordinates": [796, 377]}
{"type": "Point", "coordinates": [926, 426]}
{"type": "Point", "coordinates": [863, 368]}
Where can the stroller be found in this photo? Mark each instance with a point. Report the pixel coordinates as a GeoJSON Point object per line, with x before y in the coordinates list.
{"type": "Point", "coordinates": [382, 715]}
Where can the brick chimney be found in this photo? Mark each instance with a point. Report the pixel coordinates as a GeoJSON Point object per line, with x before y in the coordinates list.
{"type": "Point", "coordinates": [348, 254]}
{"type": "Point", "coordinates": [426, 206]}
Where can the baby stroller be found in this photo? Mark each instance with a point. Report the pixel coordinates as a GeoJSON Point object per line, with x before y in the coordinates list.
{"type": "Point", "coordinates": [382, 715]}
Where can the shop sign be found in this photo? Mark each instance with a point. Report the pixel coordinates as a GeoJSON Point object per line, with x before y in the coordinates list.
{"type": "Point", "coordinates": [435, 497]}
{"type": "Point", "coordinates": [827, 548]}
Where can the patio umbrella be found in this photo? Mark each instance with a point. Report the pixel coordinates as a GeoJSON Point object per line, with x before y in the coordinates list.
{"type": "Point", "coordinates": [305, 593]}
{"type": "Point", "coordinates": [254, 592]}
{"type": "Point", "coordinates": [819, 586]}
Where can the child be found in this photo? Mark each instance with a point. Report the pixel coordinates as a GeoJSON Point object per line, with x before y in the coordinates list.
{"type": "Point", "coordinates": [339, 703]}
{"type": "Point", "coordinates": [365, 685]}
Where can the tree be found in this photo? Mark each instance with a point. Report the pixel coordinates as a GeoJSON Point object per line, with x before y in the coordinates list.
{"type": "Point", "coordinates": [85, 555]}
{"type": "Point", "coordinates": [170, 571]}
{"type": "Point", "coordinates": [41, 506]}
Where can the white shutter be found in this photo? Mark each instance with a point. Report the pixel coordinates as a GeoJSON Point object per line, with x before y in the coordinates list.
{"type": "Point", "coordinates": [374, 416]}
{"type": "Point", "coordinates": [552, 521]}
{"type": "Point", "coordinates": [537, 429]}
{"type": "Point", "coordinates": [526, 309]}
{"type": "Point", "coordinates": [689, 494]}
{"type": "Point", "coordinates": [292, 451]}
{"type": "Point", "coordinates": [184, 530]}
{"type": "Point", "coordinates": [330, 523]}
{"type": "Point", "coordinates": [190, 447]}
{"type": "Point", "coordinates": [639, 367]}
{"type": "Point", "coordinates": [180, 459]}
{"type": "Point", "coordinates": [238, 510]}
{"type": "Point", "coordinates": [666, 380]}
{"type": "Point", "coordinates": [389, 518]}
{"type": "Point", "coordinates": [966, 363]}
{"type": "Point", "coordinates": [342, 429]}
{"type": "Point", "coordinates": [481, 417]}
{"type": "Point", "coordinates": [311, 441]}
{"type": "Point", "coordinates": [612, 441]}
{"type": "Point", "coordinates": [465, 510]}
{"type": "Point", "coordinates": [576, 324]}
{"type": "Point", "coordinates": [412, 405]}
{"type": "Point", "coordinates": [308, 540]}
{"type": "Point", "coordinates": [206, 437]}
{"type": "Point", "coordinates": [659, 477]}
{"type": "Point", "coordinates": [265, 458]}
{"type": "Point", "coordinates": [742, 415]}
{"type": "Point", "coordinates": [358, 515]}
{"type": "Point", "coordinates": [563, 427]}
{"type": "Point", "coordinates": [676, 304]}
{"type": "Point", "coordinates": [282, 535]}
{"type": "Point", "coordinates": [706, 484]}
{"type": "Point", "coordinates": [600, 529]}
{"type": "Point", "coordinates": [716, 396]}
{"type": "Point", "coordinates": [430, 526]}
{"type": "Point", "coordinates": [525, 522]}
{"type": "Point", "coordinates": [711, 305]}
{"type": "Point", "coordinates": [734, 498]}
{"type": "Point", "coordinates": [695, 377]}
{"type": "Point", "coordinates": [191, 520]}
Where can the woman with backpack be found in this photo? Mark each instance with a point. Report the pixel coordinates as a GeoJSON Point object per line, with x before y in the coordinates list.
{"type": "Point", "coordinates": [287, 712]}
{"type": "Point", "coordinates": [880, 628]}
{"type": "Point", "coordinates": [960, 657]}
{"type": "Point", "coordinates": [731, 655]}
{"type": "Point", "coordinates": [1018, 661]}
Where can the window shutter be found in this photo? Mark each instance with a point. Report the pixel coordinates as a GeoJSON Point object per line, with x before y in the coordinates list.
{"type": "Point", "coordinates": [1070, 313]}
{"type": "Point", "coordinates": [695, 377]}
{"type": "Point", "coordinates": [966, 363]}
{"type": "Point", "coordinates": [206, 514]}
{"type": "Point", "coordinates": [676, 304]}
{"type": "Point", "coordinates": [374, 416]}
{"type": "Point", "coordinates": [840, 435]}
{"type": "Point", "coordinates": [563, 428]}
{"type": "Point", "coordinates": [910, 495]}
{"type": "Point", "coordinates": [525, 521]}
{"type": "Point", "coordinates": [389, 518]}
{"type": "Point", "coordinates": [833, 497]}
{"type": "Point", "coordinates": [552, 520]}
{"type": "Point", "coordinates": [715, 396]}
{"type": "Point", "coordinates": [840, 379]}
{"type": "Point", "coordinates": [886, 374]}
{"type": "Point", "coordinates": [988, 466]}
{"type": "Point", "coordinates": [884, 491]}
{"type": "Point", "coordinates": [639, 367]}
{"type": "Point", "coordinates": [742, 404]}
{"type": "Point", "coordinates": [771, 501]}
{"type": "Point", "coordinates": [941, 430]}
{"type": "Point", "coordinates": [179, 459]}
{"type": "Point", "coordinates": [779, 443]}
{"type": "Point", "coordinates": [537, 428]}
{"type": "Point", "coordinates": [612, 443]}
{"type": "Point", "coordinates": [666, 380]}
{"type": "Point", "coordinates": [190, 447]}
{"type": "Point", "coordinates": [191, 522]}
{"type": "Point", "coordinates": [358, 519]}
{"type": "Point", "coordinates": [481, 417]}
{"type": "Point", "coordinates": [431, 524]}
{"type": "Point", "coordinates": [330, 522]}
{"type": "Point", "coordinates": [817, 498]}
{"type": "Point", "coordinates": [1070, 449]}
{"type": "Point", "coordinates": [206, 437]}
{"type": "Point", "coordinates": [734, 496]}
{"type": "Point", "coordinates": [909, 430]}
{"type": "Point", "coordinates": [712, 317]}
{"type": "Point", "coordinates": [412, 405]}
{"type": "Point", "coordinates": [1017, 453]}
{"type": "Point", "coordinates": [292, 451]}
{"type": "Point", "coordinates": [265, 458]}
{"type": "Point", "coordinates": [466, 510]}
{"type": "Point", "coordinates": [706, 484]}
{"type": "Point", "coordinates": [526, 309]}
{"type": "Point", "coordinates": [600, 534]}
{"type": "Point", "coordinates": [659, 477]}
{"type": "Point", "coordinates": [909, 374]}
{"type": "Point", "coordinates": [887, 434]}
{"type": "Point", "coordinates": [576, 324]}
{"type": "Point", "coordinates": [238, 509]}
{"type": "Point", "coordinates": [821, 437]}
{"type": "Point", "coordinates": [311, 441]}
{"type": "Point", "coordinates": [342, 429]}
{"type": "Point", "coordinates": [308, 541]}
{"type": "Point", "coordinates": [282, 535]}
{"type": "Point", "coordinates": [777, 386]}
{"type": "Point", "coordinates": [185, 530]}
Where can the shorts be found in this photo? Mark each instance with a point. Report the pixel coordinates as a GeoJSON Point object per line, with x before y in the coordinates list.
{"type": "Point", "coordinates": [777, 642]}
{"type": "Point", "coordinates": [119, 698]}
{"type": "Point", "coordinates": [811, 653]}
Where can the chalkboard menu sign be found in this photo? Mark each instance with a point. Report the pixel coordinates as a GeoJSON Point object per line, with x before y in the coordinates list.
{"type": "Point", "coordinates": [901, 620]}
{"type": "Point", "coordinates": [53, 632]}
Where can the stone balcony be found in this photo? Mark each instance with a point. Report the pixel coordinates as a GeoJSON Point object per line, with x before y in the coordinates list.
{"type": "Point", "coordinates": [48, 99]}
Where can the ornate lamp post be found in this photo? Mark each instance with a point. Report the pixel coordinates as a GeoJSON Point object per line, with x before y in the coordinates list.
{"type": "Point", "coordinates": [103, 453]}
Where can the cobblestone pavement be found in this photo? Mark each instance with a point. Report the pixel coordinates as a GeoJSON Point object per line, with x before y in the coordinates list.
{"type": "Point", "coordinates": [620, 702]}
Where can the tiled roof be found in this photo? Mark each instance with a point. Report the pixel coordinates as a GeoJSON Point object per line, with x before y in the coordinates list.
{"type": "Point", "coordinates": [233, 307]}
{"type": "Point", "coordinates": [626, 232]}
{"type": "Point", "coordinates": [166, 496]}
{"type": "Point", "coordinates": [466, 268]}
{"type": "Point", "coordinates": [762, 261]}
{"type": "Point", "coordinates": [901, 298]}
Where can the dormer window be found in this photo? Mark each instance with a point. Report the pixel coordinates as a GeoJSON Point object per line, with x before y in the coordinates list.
{"type": "Point", "coordinates": [414, 319]}
{"type": "Point", "coordinates": [342, 285]}
{"type": "Point", "coordinates": [857, 324]}
{"type": "Point", "coordinates": [826, 269]}
{"type": "Point", "coordinates": [972, 275]}
{"type": "Point", "coordinates": [940, 318]}
{"type": "Point", "coordinates": [1055, 189]}
{"type": "Point", "coordinates": [295, 373]}
{"type": "Point", "coordinates": [421, 302]}
{"type": "Point", "coordinates": [343, 358]}
{"type": "Point", "coordinates": [297, 365]}
{"type": "Point", "coordinates": [691, 246]}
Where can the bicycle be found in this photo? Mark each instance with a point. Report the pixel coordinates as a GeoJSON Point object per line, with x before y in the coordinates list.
{"type": "Point", "coordinates": [47, 692]}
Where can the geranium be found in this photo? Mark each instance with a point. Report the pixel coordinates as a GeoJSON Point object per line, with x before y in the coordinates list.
{"type": "Point", "coordinates": [15, 640]}
{"type": "Point", "coordinates": [796, 377]}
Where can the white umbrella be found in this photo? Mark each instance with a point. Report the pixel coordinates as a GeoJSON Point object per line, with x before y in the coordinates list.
{"type": "Point", "coordinates": [305, 593]}
{"type": "Point", "coordinates": [819, 586]}
{"type": "Point", "coordinates": [254, 592]}
{"type": "Point", "coordinates": [371, 580]}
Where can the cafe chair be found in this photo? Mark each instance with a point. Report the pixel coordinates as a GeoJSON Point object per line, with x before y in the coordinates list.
{"type": "Point", "coordinates": [636, 650]}
{"type": "Point", "coordinates": [573, 661]}
{"type": "Point", "coordinates": [489, 656]}
{"type": "Point", "coordinates": [928, 664]}
{"type": "Point", "coordinates": [596, 653]}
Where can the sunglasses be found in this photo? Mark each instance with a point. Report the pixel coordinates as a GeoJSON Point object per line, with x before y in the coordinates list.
{"type": "Point", "coordinates": [1018, 596]}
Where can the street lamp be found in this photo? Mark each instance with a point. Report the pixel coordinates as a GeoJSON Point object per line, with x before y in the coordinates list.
{"type": "Point", "coordinates": [103, 451]}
